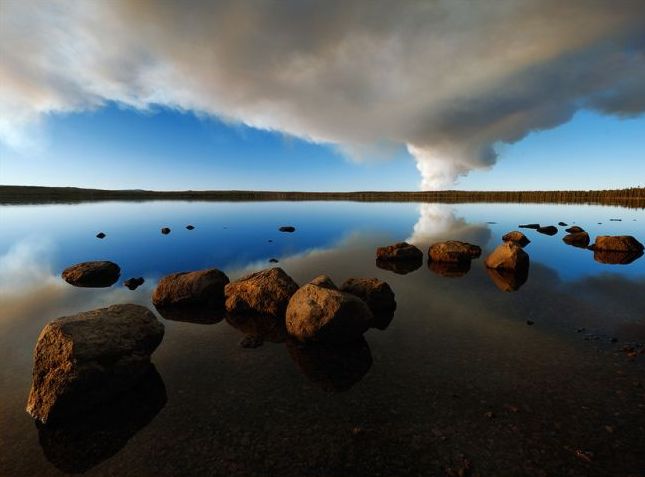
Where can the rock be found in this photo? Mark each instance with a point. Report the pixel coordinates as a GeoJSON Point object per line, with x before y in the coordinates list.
{"type": "Point", "coordinates": [259, 327]}
{"type": "Point", "coordinates": [580, 239]}
{"type": "Point", "coordinates": [203, 287]}
{"type": "Point", "coordinates": [401, 267]}
{"type": "Point", "coordinates": [84, 360]}
{"type": "Point", "coordinates": [529, 226]}
{"type": "Point", "coordinates": [508, 256]}
{"type": "Point", "coordinates": [266, 292]}
{"type": "Point", "coordinates": [324, 281]}
{"type": "Point", "coordinates": [518, 237]}
{"type": "Point", "coordinates": [453, 251]}
{"type": "Point", "coordinates": [402, 251]}
{"type": "Point", "coordinates": [287, 228]}
{"type": "Point", "coordinates": [165, 230]}
{"type": "Point", "coordinates": [273, 260]}
{"type": "Point", "coordinates": [97, 274]}
{"type": "Point", "coordinates": [378, 296]}
{"type": "Point", "coordinates": [562, 224]}
{"type": "Point", "coordinates": [450, 269]}
{"type": "Point", "coordinates": [618, 243]}
{"type": "Point", "coordinates": [548, 230]}
{"type": "Point", "coordinates": [612, 257]}
{"type": "Point", "coordinates": [334, 368]}
{"type": "Point", "coordinates": [615, 220]}
{"type": "Point", "coordinates": [190, 227]}
{"type": "Point", "coordinates": [319, 314]}
{"type": "Point", "coordinates": [508, 280]}
{"type": "Point", "coordinates": [575, 230]}
{"type": "Point", "coordinates": [81, 442]}
{"type": "Point", "coordinates": [133, 283]}
{"type": "Point", "coordinates": [100, 235]}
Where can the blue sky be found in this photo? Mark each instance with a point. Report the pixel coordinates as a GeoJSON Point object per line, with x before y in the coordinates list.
{"type": "Point", "coordinates": [165, 149]}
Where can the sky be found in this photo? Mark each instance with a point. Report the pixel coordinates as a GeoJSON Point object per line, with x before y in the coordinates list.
{"type": "Point", "coordinates": [336, 95]}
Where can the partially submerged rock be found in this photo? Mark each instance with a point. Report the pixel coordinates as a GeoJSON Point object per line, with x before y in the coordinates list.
{"type": "Point", "coordinates": [529, 226]}
{"type": "Point", "coordinates": [96, 274]}
{"type": "Point", "coordinates": [190, 227]}
{"type": "Point", "coordinates": [84, 360]}
{"type": "Point", "coordinates": [401, 251]}
{"type": "Point", "coordinates": [165, 230]}
{"type": "Point", "coordinates": [203, 287]}
{"type": "Point", "coordinates": [133, 283]}
{"type": "Point", "coordinates": [100, 235]}
{"type": "Point", "coordinates": [319, 314]}
{"type": "Point", "coordinates": [266, 292]}
{"type": "Point", "coordinates": [518, 237]}
{"type": "Point", "coordinates": [378, 296]}
{"type": "Point", "coordinates": [273, 260]}
{"type": "Point", "coordinates": [548, 230]}
{"type": "Point", "coordinates": [287, 228]}
{"type": "Point", "coordinates": [617, 243]}
{"type": "Point", "coordinates": [575, 230]}
{"type": "Point", "coordinates": [579, 239]}
{"type": "Point", "coordinates": [453, 251]}
{"type": "Point", "coordinates": [562, 224]}
{"type": "Point", "coordinates": [508, 256]}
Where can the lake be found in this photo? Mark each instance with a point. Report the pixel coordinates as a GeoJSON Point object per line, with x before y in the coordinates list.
{"type": "Point", "coordinates": [457, 384]}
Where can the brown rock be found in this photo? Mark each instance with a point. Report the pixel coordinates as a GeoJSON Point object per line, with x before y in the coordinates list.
{"type": "Point", "coordinates": [618, 243]}
{"type": "Point", "coordinates": [133, 283]}
{"type": "Point", "coordinates": [266, 292]}
{"type": "Point", "coordinates": [378, 296]}
{"type": "Point", "coordinates": [84, 360]}
{"type": "Point", "coordinates": [508, 256]}
{"type": "Point", "coordinates": [453, 251]}
{"type": "Point", "coordinates": [318, 314]}
{"type": "Point", "coordinates": [548, 230]}
{"type": "Point", "coordinates": [98, 274]}
{"type": "Point", "coordinates": [203, 287]}
{"type": "Point", "coordinates": [579, 239]}
{"type": "Point", "coordinates": [575, 229]}
{"type": "Point", "coordinates": [518, 237]}
{"type": "Point", "coordinates": [401, 251]}
{"type": "Point", "coordinates": [324, 281]}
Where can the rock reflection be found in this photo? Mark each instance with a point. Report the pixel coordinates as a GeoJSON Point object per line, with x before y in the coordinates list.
{"type": "Point", "coordinates": [75, 446]}
{"type": "Point", "coordinates": [508, 280]}
{"type": "Point", "coordinates": [258, 328]}
{"type": "Point", "coordinates": [401, 267]}
{"type": "Point", "coordinates": [199, 314]}
{"type": "Point", "coordinates": [450, 269]}
{"type": "Point", "coordinates": [613, 257]}
{"type": "Point", "coordinates": [334, 368]}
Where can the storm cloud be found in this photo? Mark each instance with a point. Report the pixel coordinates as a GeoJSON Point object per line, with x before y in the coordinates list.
{"type": "Point", "coordinates": [448, 80]}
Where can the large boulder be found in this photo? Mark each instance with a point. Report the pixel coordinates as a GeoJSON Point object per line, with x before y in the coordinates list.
{"type": "Point", "coordinates": [617, 243]}
{"type": "Point", "coordinates": [84, 360]}
{"type": "Point", "coordinates": [266, 292]}
{"type": "Point", "coordinates": [508, 256]}
{"type": "Point", "coordinates": [401, 251]}
{"type": "Point", "coordinates": [203, 287]}
{"type": "Point", "coordinates": [319, 314]}
{"type": "Point", "coordinates": [453, 251]}
{"type": "Point", "coordinates": [578, 239]}
{"type": "Point", "coordinates": [575, 229]}
{"type": "Point", "coordinates": [96, 274]}
{"type": "Point", "coordinates": [378, 296]}
{"type": "Point", "coordinates": [548, 230]}
{"type": "Point", "coordinates": [518, 237]}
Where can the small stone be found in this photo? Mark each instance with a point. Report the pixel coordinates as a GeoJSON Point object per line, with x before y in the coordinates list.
{"type": "Point", "coordinates": [100, 235]}
{"type": "Point", "coordinates": [273, 260]}
{"type": "Point", "coordinates": [190, 227]}
{"type": "Point", "coordinates": [133, 283]}
{"type": "Point", "coordinates": [165, 230]}
{"type": "Point", "coordinates": [530, 322]}
{"type": "Point", "coordinates": [287, 228]}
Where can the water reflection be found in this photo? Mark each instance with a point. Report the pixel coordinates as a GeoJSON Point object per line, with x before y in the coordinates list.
{"type": "Point", "coordinates": [400, 267]}
{"type": "Point", "coordinates": [77, 445]}
{"type": "Point", "coordinates": [612, 257]}
{"type": "Point", "coordinates": [262, 328]}
{"type": "Point", "coordinates": [450, 269]}
{"type": "Point", "coordinates": [508, 280]}
{"type": "Point", "coordinates": [198, 314]}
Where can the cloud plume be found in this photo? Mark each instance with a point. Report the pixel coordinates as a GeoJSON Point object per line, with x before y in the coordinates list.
{"type": "Point", "coordinates": [448, 80]}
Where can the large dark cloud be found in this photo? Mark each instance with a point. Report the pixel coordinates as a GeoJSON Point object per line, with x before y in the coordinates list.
{"type": "Point", "coordinates": [446, 79]}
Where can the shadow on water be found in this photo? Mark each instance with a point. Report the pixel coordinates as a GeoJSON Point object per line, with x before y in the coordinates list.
{"type": "Point", "coordinates": [77, 445]}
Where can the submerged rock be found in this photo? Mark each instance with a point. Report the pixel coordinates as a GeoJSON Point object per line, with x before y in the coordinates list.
{"type": "Point", "coordinates": [378, 296]}
{"type": "Point", "coordinates": [401, 251]}
{"type": "Point", "coordinates": [518, 237]}
{"type": "Point", "coordinates": [203, 287]}
{"type": "Point", "coordinates": [508, 256]}
{"type": "Point", "coordinates": [617, 243]}
{"type": "Point", "coordinates": [400, 267]}
{"type": "Point", "coordinates": [266, 292]}
{"type": "Point", "coordinates": [529, 226]}
{"type": "Point", "coordinates": [84, 360]}
{"type": "Point", "coordinates": [548, 230]}
{"type": "Point", "coordinates": [453, 251]}
{"type": "Point", "coordinates": [79, 443]}
{"type": "Point", "coordinates": [165, 230]}
{"type": "Point", "coordinates": [133, 283]}
{"type": "Point", "coordinates": [334, 368]}
{"type": "Point", "coordinates": [574, 230]}
{"type": "Point", "coordinates": [579, 239]}
{"type": "Point", "coordinates": [96, 274]}
{"type": "Point", "coordinates": [287, 228]}
{"type": "Point", "coordinates": [100, 235]}
{"type": "Point", "coordinates": [562, 224]}
{"type": "Point", "coordinates": [319, 314]}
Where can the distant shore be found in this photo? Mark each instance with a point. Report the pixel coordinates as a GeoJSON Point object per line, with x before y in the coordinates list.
{"type": "Point", "coordinates": [632, 197]}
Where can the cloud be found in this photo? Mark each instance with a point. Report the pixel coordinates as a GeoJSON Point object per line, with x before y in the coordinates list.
{"type": "Point", "coordinates": [447, 79]}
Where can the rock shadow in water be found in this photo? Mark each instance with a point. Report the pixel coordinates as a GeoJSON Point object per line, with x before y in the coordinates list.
{"type": "Point", "coordinates": [76, 445]}
{"type": "Point", "coordinates": [334, 368]}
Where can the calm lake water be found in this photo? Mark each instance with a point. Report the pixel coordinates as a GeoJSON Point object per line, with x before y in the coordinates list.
{"type": "Point", "coordinates": [457, 384]}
